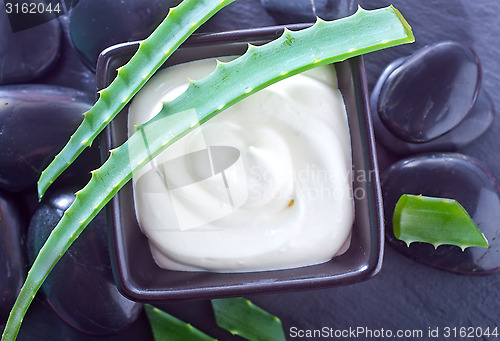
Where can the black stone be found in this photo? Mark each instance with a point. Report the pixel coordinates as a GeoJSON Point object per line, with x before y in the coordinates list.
{"type": "Point", "coordinates": [454, 176]}
{"type": "Point", "coordinates": [12, 258]}
{"type": "Point", "coordinates": [80, 288]}
{"type": "Point", "coordinates": [307, 10]}
{"type": "Point", "coordinates": [96, 25]}
{"type": "Point", "coordinates": [36, 121]}
{"type": "Point", "coordinates": [27, 54]}
{"type": "Point", "coordinates": [431, 101]}
{"type": "Point", "coordinates": [70, 71]}
{"type": "Point", "coordinates": [430, 92]}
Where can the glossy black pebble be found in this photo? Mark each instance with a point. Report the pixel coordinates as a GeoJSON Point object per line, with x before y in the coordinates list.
{"type": "Point", "coordinates": [70, 71]}
{"type": "Point", "coordinates": [26, 55]}
{"type": "Point", "coordinates": [431, 101]}
{"type": "Point", "coordinates": [455, 176]}
{"type": "Point", "coordinates": [81, 289]}
{"type": "Point", "coordinates": [12, 258]}
{"type": "Point", "coordinates": [96, 25]}
{"type": "Point", "coordinates": [36, 121]}
{"type": "Point", "coordinates": [303, 10]}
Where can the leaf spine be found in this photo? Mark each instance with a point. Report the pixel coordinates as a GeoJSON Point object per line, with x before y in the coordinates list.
{"type": "Point", "coordinates": [102, 93]}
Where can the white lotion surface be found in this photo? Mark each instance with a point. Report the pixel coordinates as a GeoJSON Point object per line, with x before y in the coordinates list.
{"type": "Point", "coordinates": [264, 185]}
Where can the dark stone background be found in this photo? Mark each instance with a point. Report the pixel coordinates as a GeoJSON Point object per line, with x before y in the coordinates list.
{"type": "Point", "coordinates": [405, 295]}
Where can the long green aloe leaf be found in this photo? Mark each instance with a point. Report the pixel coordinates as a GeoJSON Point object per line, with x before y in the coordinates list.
{"type": "Point", "coordinates": [178, 25]}
{"type": "Point", "coordinates": [241, 317]}
{"type": "Point", "coordinates": [166, 327]}
{"type": "Point", "coordinates": [294, 52]}
{"type": "Point", "coordinates": [436, 221]}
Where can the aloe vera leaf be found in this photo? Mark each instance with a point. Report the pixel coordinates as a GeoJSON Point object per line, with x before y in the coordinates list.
{"type": "Point", "coordinates": [178, 25]}
{"type": "Point", "coordinates": [241, 317]}
{"type": "Point", "coordinates": [103, 185]}
{"type": "Point", "coordinates": [436, 221]}
{"type": "Point", "coordinates": [166, 327]}
{"type": "Point", "coordinates": [294, 52]}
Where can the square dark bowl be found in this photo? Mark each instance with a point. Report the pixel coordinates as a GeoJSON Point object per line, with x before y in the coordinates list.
{"type": "Point", "coordinates": [140, 278]}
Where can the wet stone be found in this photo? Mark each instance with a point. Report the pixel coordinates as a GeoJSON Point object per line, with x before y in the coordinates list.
{"type": "Point", "coordinates": [307, 10]}
{"type": "Point", "coordinates": [12, 258]}
{"type": "Point", "coordinates": [27, 54]}
{"type": "Point", "coordinates": [80, 288]}
{"type": "Point", "coordinates": [36, 121]}
{"type": "Point", "coordinates": [454, 176]}
{"type": "Point", "coordinates": [96, 25]}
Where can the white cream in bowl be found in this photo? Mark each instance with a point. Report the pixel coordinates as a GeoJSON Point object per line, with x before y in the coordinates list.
{"type": "Point", "coordinates": [264, 185]}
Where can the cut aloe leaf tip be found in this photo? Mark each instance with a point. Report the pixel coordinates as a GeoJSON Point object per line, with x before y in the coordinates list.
{"type": "Point", "coordinates": [436, 221]}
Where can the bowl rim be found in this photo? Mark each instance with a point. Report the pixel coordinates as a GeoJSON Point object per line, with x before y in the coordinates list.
{"type": "Point", "coordinates": [375, 208]}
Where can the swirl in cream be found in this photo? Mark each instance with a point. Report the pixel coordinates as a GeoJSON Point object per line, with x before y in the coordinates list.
{"type": "Point", "coordinates": [264, 185]}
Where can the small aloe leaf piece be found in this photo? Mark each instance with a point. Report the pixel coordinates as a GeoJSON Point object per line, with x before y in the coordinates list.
{"type": "Point", "coordinates": [241, 317]}
{"type": "Point", "coordinates": [294, 52]}
{"type": "Point", "coordinates": [178, 25]}
{"type": "Point", "coordinates": [166, 327]}
{"type": "Point", "coordinates": [436, 221]}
